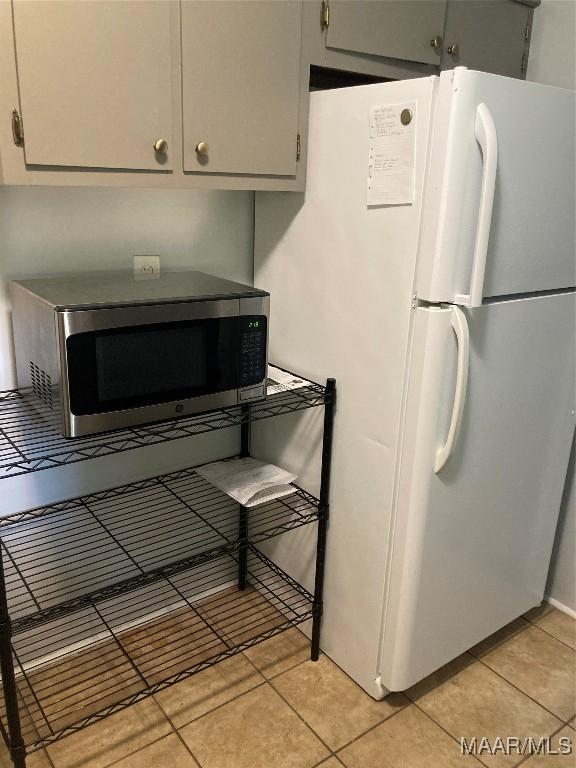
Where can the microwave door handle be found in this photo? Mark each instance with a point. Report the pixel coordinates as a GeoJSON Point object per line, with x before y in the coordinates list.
{"type": "Point", "coordinates": [487, 138]}
{"type": "Point", "coordinates": [460, 328]}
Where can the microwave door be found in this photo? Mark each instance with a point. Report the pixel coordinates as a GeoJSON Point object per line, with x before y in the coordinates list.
{"type": "Point", "coordinates": [150, 364]}
{"type": "Point", "coordinates": [128, 374]}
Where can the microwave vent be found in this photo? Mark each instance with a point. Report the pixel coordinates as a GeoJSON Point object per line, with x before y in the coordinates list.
{"type": "Point", "coordinates": [42, 385]}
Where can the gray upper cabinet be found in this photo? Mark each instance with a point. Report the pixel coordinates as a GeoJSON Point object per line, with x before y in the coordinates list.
{"type": "Point", "coordinates": [95, 83]}
{"type": "Point", "coordinates": [240, 86]}
{"type": "Point", "coordinates": [397, 39]}
{"type": "Point", "coordinates": [214, 93]}
{"type": "Point", "coordinates": [391, 28]}
{"type": "Point", "coordinates": [491, 36]}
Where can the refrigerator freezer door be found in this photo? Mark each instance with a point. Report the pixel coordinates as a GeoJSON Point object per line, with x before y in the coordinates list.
{"type": "Point", "coordinates": [499, 202]}
{"type": "Point", "coordinates": [472, 542]}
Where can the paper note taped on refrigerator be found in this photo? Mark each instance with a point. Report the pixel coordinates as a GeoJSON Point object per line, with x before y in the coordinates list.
{"type": "Point", "coordinates": [391, 154]}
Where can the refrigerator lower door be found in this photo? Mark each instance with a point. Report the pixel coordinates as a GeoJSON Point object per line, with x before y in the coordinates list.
{"type": "Point", "coordinates": [499, 202]}
{"type": "Point", "coordinates": [473, 535]}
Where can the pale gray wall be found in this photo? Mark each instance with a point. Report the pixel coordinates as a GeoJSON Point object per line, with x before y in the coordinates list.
{"type": "Point", "coordinates": [55, 230]}
{"type": "Point", "coordinates": [552, 49]}
{"type": "Point", "coordinates": [52, 230]}
{"type": "Point", "coordinates": [552, 61]}
{"type": "Point", "coordinates": [562, 577]}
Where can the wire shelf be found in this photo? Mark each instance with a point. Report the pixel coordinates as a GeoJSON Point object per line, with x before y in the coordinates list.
{"type": "Point", "coordinates": [60, 558]}
{"type": "Point", "coordinates": [89, 665]}
{"type": "Point", "coordinates": [31, 440]}
{"type": "Point", "coordinates": [111, 597]}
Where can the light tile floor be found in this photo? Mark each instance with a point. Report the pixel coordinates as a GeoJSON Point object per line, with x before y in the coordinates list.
{"type": "Point", "coordinates": [273, 708]}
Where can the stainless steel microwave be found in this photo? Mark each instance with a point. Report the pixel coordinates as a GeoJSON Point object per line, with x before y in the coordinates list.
{"type": "Point", "coordinates": [109, 351]}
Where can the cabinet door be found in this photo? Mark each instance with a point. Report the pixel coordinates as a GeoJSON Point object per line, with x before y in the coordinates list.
{"type": "Point", "coordinates": [95, 82]}
{"type": "Point", "coordinates": [240, 86]}
{"type": "Point", "coordinates": [488, 36]}
{"type": "Point", "coordinates": [393, 28]}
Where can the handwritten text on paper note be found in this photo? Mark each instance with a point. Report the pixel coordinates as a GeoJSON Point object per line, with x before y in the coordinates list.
{"type": "Point", "coordinates": [391, 155]}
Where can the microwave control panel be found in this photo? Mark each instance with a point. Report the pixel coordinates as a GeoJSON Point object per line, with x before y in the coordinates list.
{"type": "Point", "coordinates": [252, 350]}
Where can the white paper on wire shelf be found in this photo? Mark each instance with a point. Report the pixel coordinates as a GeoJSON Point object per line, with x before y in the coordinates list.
{"type": "Point", "coordinates": [248, 480]}
{"type": "Point", "coordinates": [280, 381]}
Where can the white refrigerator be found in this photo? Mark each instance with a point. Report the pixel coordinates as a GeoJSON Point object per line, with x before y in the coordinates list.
{"type": "Point", "coordinates": [446, 315]}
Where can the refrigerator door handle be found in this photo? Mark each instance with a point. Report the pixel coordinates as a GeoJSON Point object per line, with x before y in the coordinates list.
{"type": "Point", "coordinates": [460, 327]}
{"type": "Point", "coordinates": [487, 138]}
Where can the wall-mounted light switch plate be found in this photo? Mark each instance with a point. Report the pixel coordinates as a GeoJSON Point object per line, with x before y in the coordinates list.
{"type": "Point", "coordinates": [146, 267]}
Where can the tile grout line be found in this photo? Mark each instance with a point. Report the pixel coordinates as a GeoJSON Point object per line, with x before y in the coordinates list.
{"type": "Point", "coordinates": [333, 752]}
{"type": "Point", "coordinates": [528, 756]}
{"type": "Point", "coordinates": [475, 659]}
{"type": "Point", "coordinates": [553, 636]}
{"type": "Point", "coordinates": [529, 624]}
{"type": "Point", "coordinates": [299, 716]}
{"type": "Point", "coordinates": [175, 731]}
{"type": "Point", "coordinates": [498, 645]}
{"type": "Point", "coordinates": [269, 682]}
{"type": "Point", "coordinates": [288, 669]}
{"type": "Point", "coordinates": [564, 723]}
{"type": "Point", "coordinates": [324, 760]}
{"type": "Point", "coordinates": [249, 660]}
{"type": "Point", "coordinates": [239, 696]}
{"type": "Point", "coordinates": [217, 707]}
{"type": "Point", "coordinates": [136, 751]}
{"type": "Point", "coordinates": [372, 727]}
{"type": "Point", "coordinates": [542, 616]}
{"type": "Point", "coordinates": [509, 639]}
{"type": "Point", "coordinates": [205, 714]}
{"type": "Point", "coordinates": [525, 694]}
{"type": "Point", "coordinates": [550, 608]}
{"type": "Point", "coordinates": [187, 748]}
{"type": "Point", "coordinates": [48, 758]}
{"type": "Point", "coordinates": [442, 728]}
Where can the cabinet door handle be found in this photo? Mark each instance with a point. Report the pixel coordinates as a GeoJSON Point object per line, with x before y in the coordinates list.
{"type": "Point", "coordinates": [201, 148]}
{"type": "Point", "coordinates": [436, 42]}
{"type": "Point", "coordinates": [17, 132]}
{"type": "Point", "coordinates": [161, 146]}
{"type": "Point", "coordinates": [453, 50]}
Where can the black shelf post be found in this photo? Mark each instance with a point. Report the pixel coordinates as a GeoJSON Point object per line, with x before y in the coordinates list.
{"type": "Point", "coordinates": [323, 516]}
{"type": "Point", "coordinates": [245, 434]}
{"type": "Point", "coordinates": [17, 748]}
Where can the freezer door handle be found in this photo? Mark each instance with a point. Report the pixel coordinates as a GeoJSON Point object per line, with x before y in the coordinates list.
{"type": "Point", "coordinates": [460, 327]}
{"type": "Point", "coordinates": [487, 138]}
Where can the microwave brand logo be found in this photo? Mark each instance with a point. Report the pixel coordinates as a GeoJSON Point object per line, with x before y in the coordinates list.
{"type": "Point", "coordinates": [179, 408]}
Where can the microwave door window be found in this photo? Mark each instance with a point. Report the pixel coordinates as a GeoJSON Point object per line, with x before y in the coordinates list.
{"type": "Point", "coordinates": [151, 364]}
{"type": "Point", "coordinates": [135, 365]}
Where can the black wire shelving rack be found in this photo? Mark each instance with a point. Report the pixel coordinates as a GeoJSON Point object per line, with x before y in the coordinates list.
{"type": "Point", "coordinates": [114, 596]}
{"type": "Point", "coordinates": [31, 439]}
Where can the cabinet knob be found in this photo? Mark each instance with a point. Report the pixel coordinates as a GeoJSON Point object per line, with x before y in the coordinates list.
{"type": "Point", "coordinates": [202, 148]}
{"type": "Point", "coordinates": [161, 146]}
{"type": "Point", "coordinates": [436, 42]}
{"type": "Point", "coordinates": [453, 50]}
